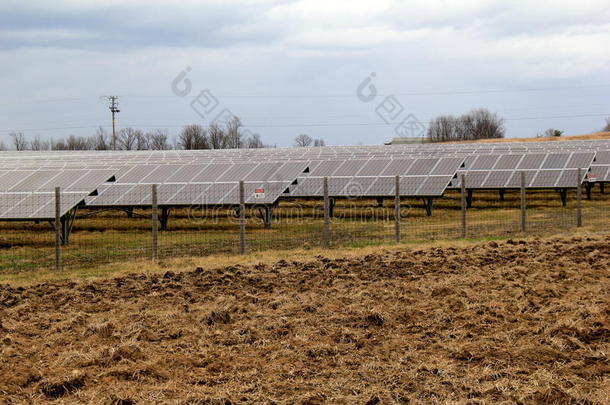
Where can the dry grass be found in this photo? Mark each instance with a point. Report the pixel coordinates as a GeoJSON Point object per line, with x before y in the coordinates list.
{"type": "Point", "coordinates": [215, 261]}
{"type": "Point", "coordinates": [98, 241]}
{"type": "Point", "coordinates": [593, 136]}
{"type": "Point", "coordinates": [487, 323]}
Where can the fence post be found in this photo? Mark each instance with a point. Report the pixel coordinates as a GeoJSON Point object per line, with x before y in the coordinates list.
{"type": "Point", "coordinates": [397, 210]}
{"type": "Point", "coordinates": [155, 224]}
{"type": "Point", "coordinates": [242, 218]}
{"type": "Point", "coordinates": [58, 230]}
{"type": "Point", "coordinates": [578, 198]}
{"type": "Point", "coordinates": [326, 228]}
{"type": "Point", "coordinates": [463, 204]}
{"type": "Point", "coordinates": [523, 222]}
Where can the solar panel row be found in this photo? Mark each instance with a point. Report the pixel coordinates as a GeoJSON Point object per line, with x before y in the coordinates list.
{"type": "Point", "coordinates": [211, 177]}
{"type": "Point", "coordinates": [29, 194]}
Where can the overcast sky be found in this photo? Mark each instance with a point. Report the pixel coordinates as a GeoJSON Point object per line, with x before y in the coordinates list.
{"type": "Point", "coordinates": [291, 67]}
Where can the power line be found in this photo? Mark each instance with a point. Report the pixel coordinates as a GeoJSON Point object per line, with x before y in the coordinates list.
{"type": "Point", "coordinates": [345, 95]}
{"type": "Point", "coordinates": [327, 124]}
{"type": "Point", "coordinates": [423, 93]}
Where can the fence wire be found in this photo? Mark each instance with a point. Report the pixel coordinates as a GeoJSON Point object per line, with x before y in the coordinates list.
{"type": "Point", "coordinates": [194, 223]}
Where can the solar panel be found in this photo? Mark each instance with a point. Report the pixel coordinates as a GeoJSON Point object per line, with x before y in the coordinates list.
{"type": "Point", "coordinates": [497, 179]}
{"type": "Point", "coordinates": [556, 161]}
{"type": "Point", "coordinates": [600, 173]}
{"type": "Point", "coordinates": [515, 178]}
{"type": "Point", "coordinates": [33, 197]}
{"type": "Point", "coordinates": [398, 167]}
{"type": "Point", "coordinates": [422, 167]}
{"type": "Point", "coordinates": [569, 178]}
{"type": "Point", "coordinates": [508, 162]}
{"type": "Point", "coordinates": [546, 179]}
{"type": "Point", "coordinates": [374, 167]}
{"type": "Point", "coordinates": [484, 162]}
{"type": "Point", "coordinates": [530, 162]}
{"type": "Point", "coordinates": [210, 172]}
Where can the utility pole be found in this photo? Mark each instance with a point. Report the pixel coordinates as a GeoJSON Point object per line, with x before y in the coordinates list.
{"type": "Point", "coordinates": [114, 108]}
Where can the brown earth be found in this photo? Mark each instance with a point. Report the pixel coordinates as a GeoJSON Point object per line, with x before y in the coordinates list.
{"type": "Point", "coordinates": [512, 322]}
{"type": "Point", "coordinates": [585, 137]}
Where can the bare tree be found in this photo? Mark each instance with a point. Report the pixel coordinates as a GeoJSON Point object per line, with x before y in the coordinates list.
{"type": "Point", "coordinates": [19, 141]}
{"type": "Point", "coordinates": [233, 133]}
{"type": "Point", "coordinates": [319, 142]}
{"type": "Point", "coordinates": [100, 140]}
{"type": "Point", "coordinates": [74, 142]}
{"type": "Point", "coordinates": [2, 145]}
{"type": "Point", "coordinates": [477, 124]}
{"type": "Point", "coordinates": [443, 129]}
{"type": "Point", "coordinates": [550, 133]}
{"type": "Point", "coordinates": [216, 136]}
{"type": "Point", "coordinates": [157, 140]}
{"type": "Point", "coordinates": [254, 141]}
{"type": "Point", "coordinates": [39, 144]}
{"type": "Point", "coordinates": [58, 144]}
{"type": "Point", "coordinates": [303, 140]}
{"type": "Point", "coordinates": [142, 140]}
{"type": "Point", "coordinates": [193, 137]}
{"type": "Point", "coordinates": [127, 139]}
{"type": "Point", "coordinates": [607, 127]}
{"type": "Point", "coordinates": [482, 124]}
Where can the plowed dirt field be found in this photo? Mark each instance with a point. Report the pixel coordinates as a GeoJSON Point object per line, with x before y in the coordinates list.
{"type": "Point", "coordinates": [510, 322]}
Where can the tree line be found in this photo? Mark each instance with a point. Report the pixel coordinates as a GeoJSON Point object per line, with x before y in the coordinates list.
{"type": "Point", "coordinates": [216, 136]}
{"type": "Point", "coordinates": [477, 124]}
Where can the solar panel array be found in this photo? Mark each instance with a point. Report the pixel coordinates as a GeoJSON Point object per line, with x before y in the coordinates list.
{"type": "Point", "coordinates": [30, 194]}
{"type": "Point", "coordinates": [375, 177]}
{"type": "Point", "coordinates": [542, 170]}
{"type": "Point", "coordinates": [201, 184]}
{"type": "Point", "coordinates": [211, 177]}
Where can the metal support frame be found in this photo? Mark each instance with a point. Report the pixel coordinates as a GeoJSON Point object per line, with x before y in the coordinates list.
{"type": "Point", "coordinates": [67, 222]}
{"type": "Point", "coordinates": [164, 218]}
{"type": "Point", "coordinates": [129, 212]}
{"type": "Point", "coordinates": [379, 202]}
{"type": "Point", "coordinates": [331, 207]}
{"type": "Point", "coordinates": [428, 203]}
{"type": "Point", "coordinates": [62, 224]}
{"type": "Point", "coordinates": [588, 188]}
{"type": "Point", "coordinates": [501, 192]}
{"type": "Point", "coordinates": [601, 187]}
{"type": "Point", "coordinates": [265, 213]}
{"type": "Point", "coordinates": [469, 198]}
{"type": "Point", "coordinates": [563, 194]}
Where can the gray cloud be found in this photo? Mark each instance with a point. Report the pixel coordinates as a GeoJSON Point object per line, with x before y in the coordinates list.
{"type": "Point", "coordinates": [73, 52]}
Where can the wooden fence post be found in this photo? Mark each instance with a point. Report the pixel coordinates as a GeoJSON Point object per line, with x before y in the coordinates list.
{"type": "Point", "coordinates": [397, 210]}
{"type": "Point", "coordinates": [242, 218]}
{"type": "Point", "coordinates": [523, 217]}
{"type": "Point", "coordinates": [326, 228]}
{"type": "Point", "coordinates": [58, 230]}
{"type": "Point", "coordinates": [578, 198]}
{"type": "Point", "coordinates": [155, 224]}
{"type": "Point", "coordinates": [463, 203]}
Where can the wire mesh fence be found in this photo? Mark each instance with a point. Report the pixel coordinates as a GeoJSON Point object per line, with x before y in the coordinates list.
{"type": "Point", "coordinates": [162, 222]}
{"type": "Point", "coordinates": [27, 244]}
